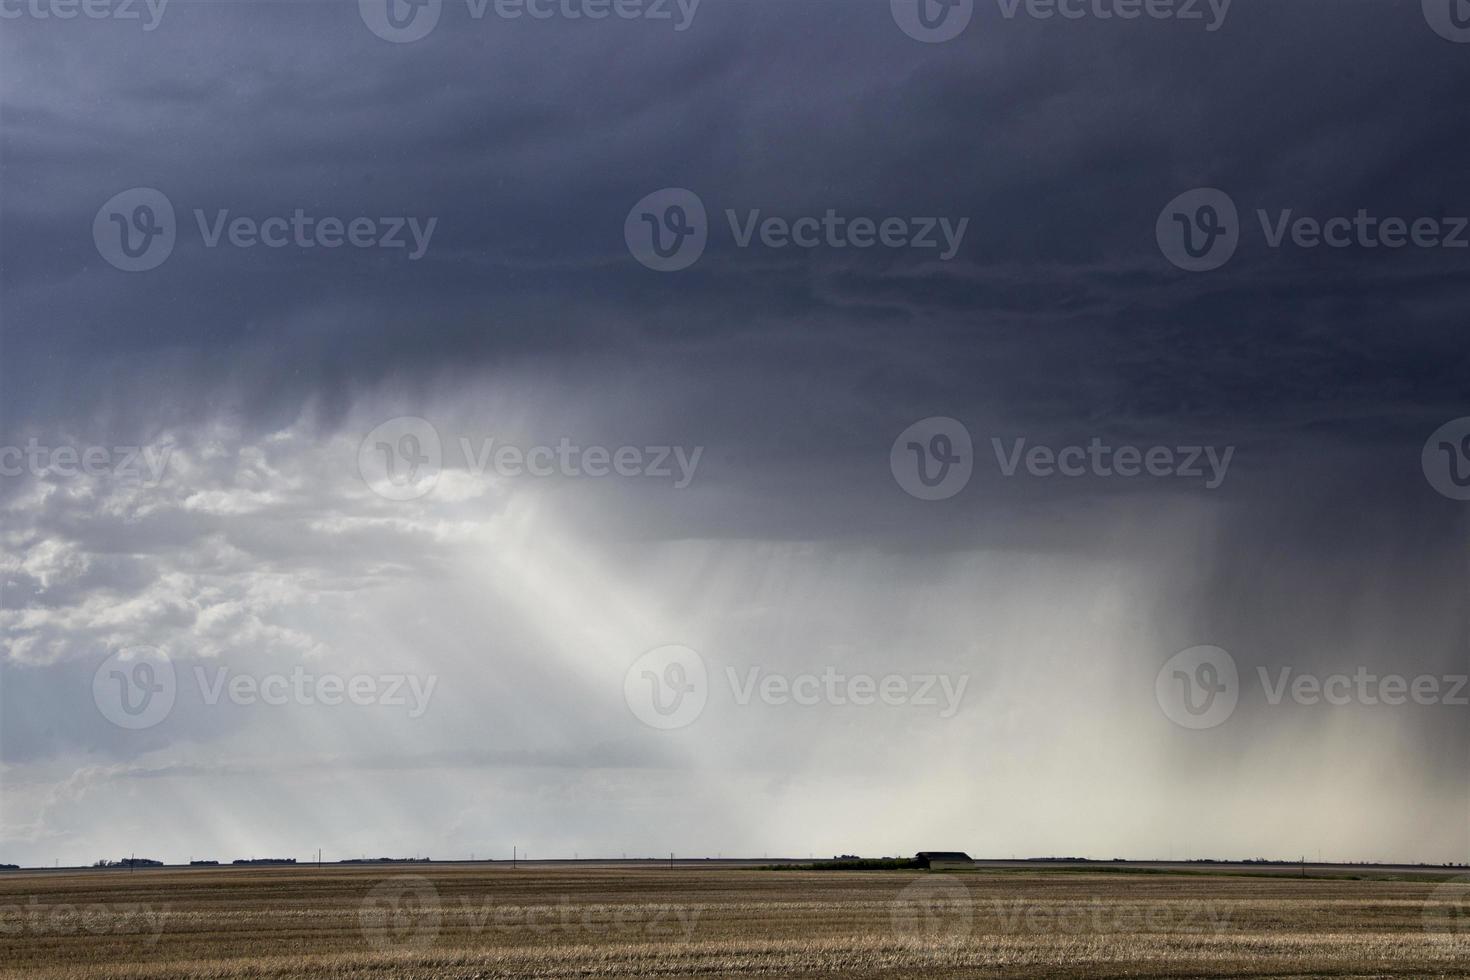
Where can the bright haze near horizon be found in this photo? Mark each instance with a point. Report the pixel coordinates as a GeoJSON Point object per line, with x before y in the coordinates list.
{"type": "Point", "coordinates": [1038, 608]}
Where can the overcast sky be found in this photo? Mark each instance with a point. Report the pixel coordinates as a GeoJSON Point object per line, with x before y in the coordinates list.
{"type": "Point", "coordinates": [311, 512]}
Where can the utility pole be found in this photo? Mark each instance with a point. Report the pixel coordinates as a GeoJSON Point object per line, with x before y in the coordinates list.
{"type": "Point", "coordinates": [671, 860]}
{"type": "Point", "coordinates": [512, 855]}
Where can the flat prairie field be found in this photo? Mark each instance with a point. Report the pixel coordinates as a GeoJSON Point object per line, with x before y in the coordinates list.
{"type": "Point", "coordinates": [484, 921]}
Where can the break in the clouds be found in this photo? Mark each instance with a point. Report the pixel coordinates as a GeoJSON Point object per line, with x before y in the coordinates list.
{"type": "Point", "coordinates": [389, 399]}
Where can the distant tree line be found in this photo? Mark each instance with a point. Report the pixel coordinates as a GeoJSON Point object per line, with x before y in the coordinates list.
{"type": "Point", "coordinates": [851, 862]}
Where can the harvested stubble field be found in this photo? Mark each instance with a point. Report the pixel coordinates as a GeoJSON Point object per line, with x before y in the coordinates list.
{"type": "Point", "coordinates": [581, 921]}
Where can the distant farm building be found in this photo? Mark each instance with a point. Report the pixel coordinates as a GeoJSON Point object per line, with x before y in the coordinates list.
{"type": "Point", "coordinates": [944, 860]}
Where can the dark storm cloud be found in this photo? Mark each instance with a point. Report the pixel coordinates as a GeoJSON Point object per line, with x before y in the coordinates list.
{"type": "Point", "coordinates": [529, 141]}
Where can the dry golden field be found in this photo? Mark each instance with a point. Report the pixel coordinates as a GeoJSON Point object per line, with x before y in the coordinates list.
{"type": "Point", "coordinates": [463, 921]}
